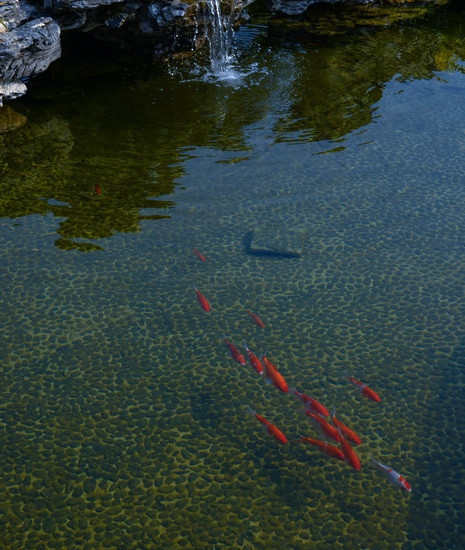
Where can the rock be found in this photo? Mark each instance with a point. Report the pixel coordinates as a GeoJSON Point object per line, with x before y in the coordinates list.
{"type": "Point", "coordinates": [276, 240]}
{"type": "Point", "coordinates": [10, 119]}
{"type": "Point", "coordinates": [298, 7]}
{"type": "Point", "coordinates": [29, 42]}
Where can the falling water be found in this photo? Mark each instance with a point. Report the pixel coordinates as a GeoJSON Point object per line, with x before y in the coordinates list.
{"type": "Point", "coordinates": [220, 37]}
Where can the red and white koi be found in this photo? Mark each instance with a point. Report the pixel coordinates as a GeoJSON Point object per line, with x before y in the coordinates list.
{"type": "Point", "coordinates": [273, 375]}
{"type": "Point", "coordinates": [365, 390]}
{"type": "Point", "coordinates": [269, 427]}
{"type": "Point", "coordinates": [235, 353]}
{"type": "Point", "coordinates": [255, 318]}
{"type": "Point", "coordinates": [394, 477]}
{"type": "Point", "coordinates": [310, 404]}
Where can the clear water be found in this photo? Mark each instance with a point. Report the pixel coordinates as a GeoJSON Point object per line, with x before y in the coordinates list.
{"type": "Point", "coordinates": [122, 415]}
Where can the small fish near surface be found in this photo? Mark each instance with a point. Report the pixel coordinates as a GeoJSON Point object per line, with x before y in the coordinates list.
{"type": "Point", "coordinates": [324, 447]}
{"type": "Point", "coordinates": [310, 404]}
{"type": "Point", "coordinates": [235, 353]}
{"type": "Point", "coordinates": [365, 390]}
{"type": "Point", "coordinates": [324, 426]}
{"type": "Point", "coordinates": [254, 360]}
{"type": "Point", "coordinates": [273, 375]}
{"type": "Point", "coordinates": [199, 255]}
{"type": "Point", "coordinates": [255, 318]}
{"type": "Point", "coordinates": [394, 477]}
{"type": "Point", "coordinates": [269, 427]}
{"type": "Point", "coordinates": [204, 303]}
{"type": "Point", "coordinates": [349, 453]}
{"type": "Point", "coordinates": [346, 431]}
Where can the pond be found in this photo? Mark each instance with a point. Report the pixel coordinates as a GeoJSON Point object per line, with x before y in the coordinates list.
{"type": "Point", "coordinates": [323, 180]}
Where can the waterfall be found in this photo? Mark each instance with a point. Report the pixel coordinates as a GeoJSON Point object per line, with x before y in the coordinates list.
{"type": "Point", "coordinates": [220, 37]}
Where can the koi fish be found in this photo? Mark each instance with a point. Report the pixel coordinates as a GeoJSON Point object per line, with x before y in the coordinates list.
{"type": "Point", "coordinates": [235, 353]}
{"type": "Point", "coordinates": [346, 431]}
{"type": "Point", "coordinates": [324, 426]}
{"type": "Point", "coordinates": [254, 360]}
{"type": "Point", "coordinates": [365, 390]}
{"type": "Point", "coordinates": [256, 319]}
{"type": "Point", "coordinates": [395, 478]}
{"type": "Point", "coordinates": [199, 255]}
{"type": "Point", "coordinates": [310, 404]}
{"type": "Point", "coordinates": [204, 303]}
{"type": "Point", "coordinates": [273, 375]}
{"type": "Point", "coordinates": [97, 189]}
{"type": "Point", "coordinates": [269, 427]}
{"type": "Point", "coordinates": [349, 453]}
{"type": "Point", "coordinates": [324, 447]}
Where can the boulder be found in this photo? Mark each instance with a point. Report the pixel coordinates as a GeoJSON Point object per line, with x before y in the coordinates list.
{"type": "Point", "coordinates": [29, 42]}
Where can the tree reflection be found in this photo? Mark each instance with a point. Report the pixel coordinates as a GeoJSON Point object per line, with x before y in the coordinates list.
{"type": "Point", "coordinates": [129, 131]}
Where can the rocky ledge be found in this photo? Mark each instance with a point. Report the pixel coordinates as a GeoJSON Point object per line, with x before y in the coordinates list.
{"type": "Point", "coordinates": [30, 30]}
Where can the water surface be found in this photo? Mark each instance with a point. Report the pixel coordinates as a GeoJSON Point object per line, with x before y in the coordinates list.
{"type": "Point", "coordinates": [123, 421]}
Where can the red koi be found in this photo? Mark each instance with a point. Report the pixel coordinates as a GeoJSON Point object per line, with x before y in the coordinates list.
{"type": "Point", "coordinates": [256, 319]}
{"type": "Point", "coordinates": [325, 427]}
{"type": "Point", "coordinates": [394, 477]}
{"type": "Point", "coordinates": [97, 189]}
{"type": "Point", "coordinates": [254, 360]}
{"type": "Point", "coordinates": [310, 404]}
{"type": "Point", "coordinates": [349, 453]}
{"type": "Point", "coordinates": [269, 427]}
{"type": "Point", "coordinates": [204, 303]}
{"type": "Point", "coordinates": [199, 255]}
{"type": "Point", "coordinates": [345, 431]}
{"type": "Point", "coordinates": [365, 390]}
{"type": "Point", "coordinates": [324, 447]}
{"type": "Point", "coordinates": [235, 353]}
{"type": "Point", "coordinates": [273, 375]}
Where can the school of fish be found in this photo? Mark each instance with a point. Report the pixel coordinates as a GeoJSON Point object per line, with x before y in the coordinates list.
{"type": "Point", "coordinates": [326, 424]}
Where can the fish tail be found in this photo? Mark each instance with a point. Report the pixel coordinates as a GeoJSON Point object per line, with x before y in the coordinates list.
{"type": "Point", "coordinates": [249, 410]}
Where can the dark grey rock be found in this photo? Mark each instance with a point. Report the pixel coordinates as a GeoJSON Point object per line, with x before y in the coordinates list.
{"type": "Point", "coordinates": [26, 48]}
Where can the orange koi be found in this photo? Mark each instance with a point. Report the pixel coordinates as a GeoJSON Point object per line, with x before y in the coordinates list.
{"type": "Point", "coordinates": [273, 375]}
{"type": "Point", "coordinates": [325, 427]}
{"type": "Point", "coordinates": [235, 353]}
{"type": "Point", "coordinates": [199, 255]}
{"type": "Point", "coordinates": [310, 404]}
{"type": "Point", "coordinates": [324, 447]}
{"type": "Point", "coordinates": [365, 390]}
{"type": "Point", "coordinates": [97, 189]}
{"type": "Point", "coordinates": [269, 427]}
{"type": "Point", "coordinates": [204, 303]}
{"type": "Point", "coordinates": [256, 319]}
{"type": "Point", "coordinates": [254, 360]}
{"type": "Point", "coordinates": [349, 453]}
{"type": "Point", "coordinates": [346, 431]}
